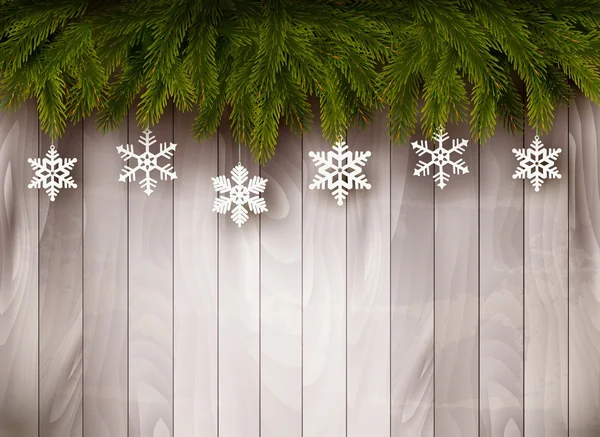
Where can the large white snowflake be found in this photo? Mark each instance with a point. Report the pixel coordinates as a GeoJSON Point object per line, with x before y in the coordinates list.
{"type": "Point", "coordinates": [147, 162]}
{"type": "Point", "coordinates": [339, 170]}
{"type": "Point", "coordinates": [239, 194]}
{"type": "Point", "coordinates": [440, 158]}
{"type": "Point", "coordinates": [52, 173]}
{"type": "Point", "coordinates": [537, 163]}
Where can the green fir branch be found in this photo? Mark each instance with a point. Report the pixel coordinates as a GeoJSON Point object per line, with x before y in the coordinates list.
{"type": "Point", "coordinates": [429, 62]}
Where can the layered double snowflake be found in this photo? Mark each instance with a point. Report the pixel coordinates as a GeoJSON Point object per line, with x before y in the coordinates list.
{"type": "Point", "coordinates": [52, 173]}
{"type": "Point", "coordinates": [537, 163]}
{"type": "Point", "coordinates": [440, 157]}
{"type": "Point", "coordinates": [339, 170]}
{"type": "Point", "coordinates": [239, 194]}
{"type": "Point", "coordinates": [147, 162]}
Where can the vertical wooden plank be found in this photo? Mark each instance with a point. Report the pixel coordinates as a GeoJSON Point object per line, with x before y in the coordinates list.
{"type": "Point", "coordinates": [18, 275]}
{"type": "Point", "coordinates": [281, 292]}
{"type": "Point", "coordinates": [239, 324]}
{"type": "Point", "coordinates": [584, 269]}
{"type": "Point", "coordinates": [150, 294]}
{"type": "Point", "coordinates": [546, 238]}
{"type": "Point", "coordinates": [368, 264]}
{"type": "Point", "coordinates": [324, 301]}
{"type": "Point", "coordinates": [456, 297]}
{"type": "Point", "coordinates": [195, 282]}
{"type": "Point", "coordinates": [412, 296]}
{"type": "Point", "coordinates": [501, 288]}
{"type": "Point", "coordinates": [61, 297]}
{"type": "Point", "coordinates": [104, 284]}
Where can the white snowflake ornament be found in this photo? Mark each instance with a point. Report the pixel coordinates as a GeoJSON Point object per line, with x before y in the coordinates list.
{"type": "Point", "coordinates": [440, 158]}
{"type": "Point", "coordinates": [147, 162]}
{"type": "Point", "coordinates": [537, 163]}
{"type": "Point", "coordinates": [239, 194]}
{"type": "Point", "coordinates": [339, 170]}
{"type": "Point", "coordinates": [52, 173]}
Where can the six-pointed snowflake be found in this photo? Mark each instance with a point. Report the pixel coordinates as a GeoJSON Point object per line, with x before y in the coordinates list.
{"type": "Point", "coordinates": [537, 163]}
{"type": "Point", "coordinates": [239, 194]}
{"type": "Point", "coordinates": [52, 173]}
{"type": "Point", "coordinates": [147, 162]}
{"type": "Point", "coordinates": [340, 170]}
{"type": "Point", "coordinates": [440, 158]}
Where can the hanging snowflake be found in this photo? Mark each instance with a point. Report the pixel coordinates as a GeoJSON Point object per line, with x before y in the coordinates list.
{"type": "Point", "coordinates": [239, 194]}
{"type": "Point", "coordinates": [147, 162]}
{"type": "Point", "coordinates": [440, 158]}
{"type": "Point", "coordinates": [537, 163]}
{"type": "Point", "coordinates": [340, 170]}
{"type": "Point", "coordinates": [52, 173]}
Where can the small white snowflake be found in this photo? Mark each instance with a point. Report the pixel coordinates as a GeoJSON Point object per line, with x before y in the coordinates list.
{"type": "Point", "coordinates": [537, 163]}
{"type": "Point", "coordinates": [147, 162]}
{"type": "Point", "coordinates": [239, 194]}
{"type": "Point", "coordinates": [440, 158]}
{"type": "Point", "coordinates": [340, 170]}
{"type": "Point", "coordinates": [52, 173]}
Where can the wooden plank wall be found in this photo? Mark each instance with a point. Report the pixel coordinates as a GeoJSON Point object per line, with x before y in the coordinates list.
{"type": "Point", "coordinates": [408, 311]}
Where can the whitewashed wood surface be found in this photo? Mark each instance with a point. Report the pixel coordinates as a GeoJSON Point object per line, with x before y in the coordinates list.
{"type": "Point", "coordinates": [546, 294]}
{"type": "Point", "coordinates": [472, 311]}
{"type": "Point", "coordinates": [150, 254]}
{"type": "Point", "coordinates": [105, 284]}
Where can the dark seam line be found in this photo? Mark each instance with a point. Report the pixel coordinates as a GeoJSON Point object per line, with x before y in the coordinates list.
{"type": "Point", "coordinates": [82, 281]}
{"type": "Point", "coordinates": [478, 287]}
{"type": "Point", "coordinates": [434, 284]}
{"type": "Point", "coordinates": [302, 285]}
{"type": "Point", "coordinates": [390, 277]}
{"type": "Point", "coordinates": [346, 302]}
{"type": "Point", "coordinates": [128, 284]}
{"type": "Point", "coordinates": [173, 281]}
{"type": "Point", "coordinates": [568, 272]}
{"type": "Point", "coordinates": [39, 235]}
{"type": "Point", "coordinates": [260, 315]}
{"type": "Point", "coordinates": [218, 291]}
{"type": "Point", "coordinates": [524, 297]}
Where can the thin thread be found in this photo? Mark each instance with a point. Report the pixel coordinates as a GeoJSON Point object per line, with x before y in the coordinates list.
{"type": "Point", "coordinates": [239, 153]}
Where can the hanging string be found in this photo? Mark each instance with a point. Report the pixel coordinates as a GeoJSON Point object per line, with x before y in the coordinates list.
{"type": "Point", "coordinates": [239, 153]}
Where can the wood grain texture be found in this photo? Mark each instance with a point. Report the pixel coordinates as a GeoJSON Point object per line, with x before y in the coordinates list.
{"type": "Point", "coordinates": [456, 298]}
{"type": "Point", "coordinates": [584, 269]}
{"type": "Point", "coordinates": [18, 275]}
{"type": "Point", "coordinates": [60, 288]}
{"type": "Point", "coordinates": [151, 294]}
{"type": "Point", "coordinates": [546, 263]}
{"type": "Point", "coordinates": [368, 308]}
{"type": "Point", "coordinates": [324, 301]}
{"type": "Point", "coordinates": [239, 301]}
{"type": "Point", "coordinates": [501, 288]}
{"type": "Point", "coordinates": [281, 292]}
{"type": "Point", "coordinates": [104, 284]}
{"type": "Point", "coordinates": [412, 275]}
{"type": "Point", "coordinates": [195, 282]}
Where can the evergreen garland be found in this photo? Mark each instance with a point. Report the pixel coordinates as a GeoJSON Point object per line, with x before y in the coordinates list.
{"type": "Point", "coordinates": [465, 59]}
